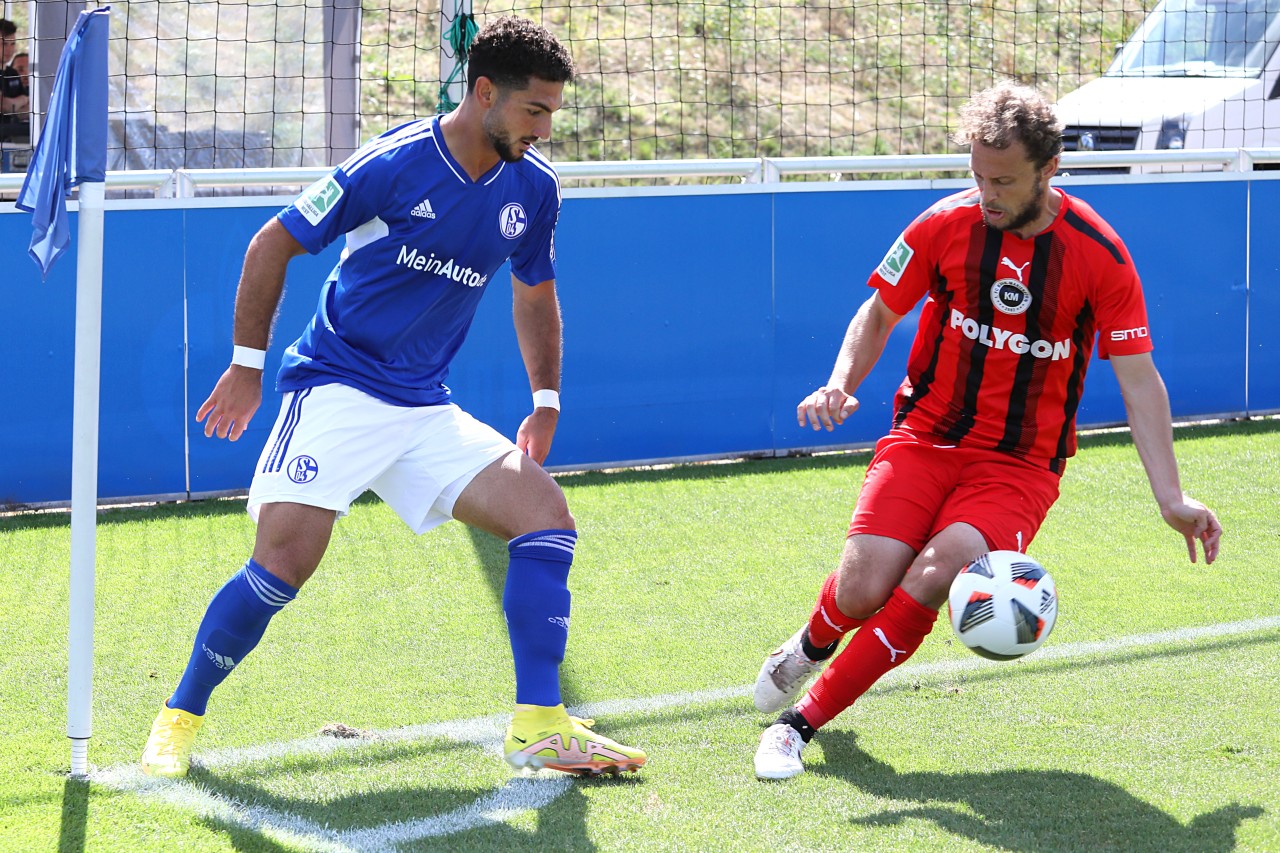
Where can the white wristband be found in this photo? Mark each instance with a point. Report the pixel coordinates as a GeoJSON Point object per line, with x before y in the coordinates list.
{"type": "Point", "coordinates": [546, 399]}
{"type": "Point", "coordinates": [249, 357]}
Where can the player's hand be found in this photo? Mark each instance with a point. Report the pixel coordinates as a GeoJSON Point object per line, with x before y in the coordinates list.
{"type": "Point", "coordinates": [535, 434]}
{"type": "Point", "coordinates": [1195, 521]}
{"type": "Point", "coordinates": [826, 407]}
{"type": "Point", "coordinates": [232, 402]}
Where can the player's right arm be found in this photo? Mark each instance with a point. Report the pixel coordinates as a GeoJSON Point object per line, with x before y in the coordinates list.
{"type": "Point", "coordinates": [864, 341]}
{"type": "Point", "coordinates": [238, 393]}
{"type": "Point", "coordinates": [901, 280]}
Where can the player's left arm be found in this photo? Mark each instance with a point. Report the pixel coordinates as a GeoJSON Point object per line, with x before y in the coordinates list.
{"type": "Point", "coordinates": [536, 310]}
{"type": "Point", "coordinates": [1147, 403]}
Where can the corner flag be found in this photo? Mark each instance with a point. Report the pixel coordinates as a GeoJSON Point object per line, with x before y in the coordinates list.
{"type": "Point", "coordinates": [72, 147]}
{"type": "Point", "coordinates": [72, 150]}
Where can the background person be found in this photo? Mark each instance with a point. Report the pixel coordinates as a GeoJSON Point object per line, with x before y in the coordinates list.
{"type": "Point", "coordinates": [430, 211]}
{"type": "Point", "coordinates": [1018, 280]}
{"type": "Point", "coordinates": [15, 84]}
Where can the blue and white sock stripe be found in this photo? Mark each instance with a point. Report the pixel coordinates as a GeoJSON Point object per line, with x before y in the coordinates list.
{"type": "Point", "coordinates": [552, 543]}
{"type": "Point", "coordinates": [275, 459]}
{"type": "Point", "coordinates": [270, 590]}
{"type": "Point", "coordinates": [268, 594]}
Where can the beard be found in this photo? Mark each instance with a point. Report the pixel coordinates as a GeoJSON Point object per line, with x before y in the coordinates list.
{"type": "Point", "coordinates": [1024, 216]}
{"type": "Point", "coordinates": [502, 142]}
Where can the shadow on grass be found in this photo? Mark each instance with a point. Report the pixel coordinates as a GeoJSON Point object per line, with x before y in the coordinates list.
{"type": "Point", "coordinates": [383, 816]}
{"type": "Point", "coordinates": [75, 814]}
{"type": "Point", "coordinates": [1032, 666]}
{"type": "Point", "coordinates": [1028, 810]}
{"type": "Point", "coordinates": [1018, 810]}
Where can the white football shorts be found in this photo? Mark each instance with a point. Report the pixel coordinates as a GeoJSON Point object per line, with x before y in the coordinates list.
{"type": "Point", "coordinates": [332, 442]}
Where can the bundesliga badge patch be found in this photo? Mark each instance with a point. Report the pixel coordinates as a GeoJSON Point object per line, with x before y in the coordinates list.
{"type": "Point", "coordinates": [895, 263]}
{"type": "Point", "coordinates": [318, 199]}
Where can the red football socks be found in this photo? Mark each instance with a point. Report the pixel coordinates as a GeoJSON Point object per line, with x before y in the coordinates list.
{"type": "Point", "coordinates": [886, 640]}
{"type": "Point", "coordinates": [827, 624]}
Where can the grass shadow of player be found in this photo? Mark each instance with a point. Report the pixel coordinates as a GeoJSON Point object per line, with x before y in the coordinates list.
{"type": "Point", "coordinates": [1029, 810]}
{"type": "Point", "coordinates": [561, 826]}
{"type": "Point", "coordinates": [386, 815]}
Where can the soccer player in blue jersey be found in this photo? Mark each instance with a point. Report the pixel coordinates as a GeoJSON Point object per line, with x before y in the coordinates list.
{"type": "Point", "coordinates": [430, 210]}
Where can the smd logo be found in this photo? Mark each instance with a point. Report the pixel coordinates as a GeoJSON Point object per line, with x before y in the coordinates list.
{"type": "Point", "coordinates": [512, 221]}
{"type": "Point", "coordinates": [303, 469]}
{"type": "Point", "coordinates": [1010, 296]}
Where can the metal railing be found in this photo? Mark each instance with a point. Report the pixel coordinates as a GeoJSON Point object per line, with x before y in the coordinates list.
{"type": "Point", "coordinates": [185, 183]}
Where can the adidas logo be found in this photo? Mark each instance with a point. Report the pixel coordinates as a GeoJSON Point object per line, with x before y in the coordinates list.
{"type": "Point", "coordinates": [220, 661]}
{"type": "Point", "coordinates": [423, 210]}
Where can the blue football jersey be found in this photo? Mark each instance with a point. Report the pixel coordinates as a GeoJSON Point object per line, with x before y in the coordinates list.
{"type": "Point", "coordinates": [423, 241]}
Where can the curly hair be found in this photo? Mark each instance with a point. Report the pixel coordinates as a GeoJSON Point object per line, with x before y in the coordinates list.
{"type": "Point", "coordinates": [510, 50]}
{"type": "Point", "coordinates": [1009, 112]}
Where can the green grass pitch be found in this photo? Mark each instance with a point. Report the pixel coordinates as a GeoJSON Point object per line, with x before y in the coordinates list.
{"type": "Point", "coordinates": [1121, 734]}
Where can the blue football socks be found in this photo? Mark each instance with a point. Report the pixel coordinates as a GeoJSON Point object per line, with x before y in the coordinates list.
{"type": "Point", "coordinates": [234, 623]}
{"type": "Point", "coordinates": [536, 603]}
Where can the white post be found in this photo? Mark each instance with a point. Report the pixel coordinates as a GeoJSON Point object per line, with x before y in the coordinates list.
{"type": "Point", "coordinates": [84, 473]}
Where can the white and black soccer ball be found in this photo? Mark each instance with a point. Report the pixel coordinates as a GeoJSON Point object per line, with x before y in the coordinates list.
{"type": "Point", "coordinates": [1003, 605]}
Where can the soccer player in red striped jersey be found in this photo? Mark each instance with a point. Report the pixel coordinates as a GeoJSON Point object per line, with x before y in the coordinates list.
{"type": "Point", "coordinates": [1018, 280]}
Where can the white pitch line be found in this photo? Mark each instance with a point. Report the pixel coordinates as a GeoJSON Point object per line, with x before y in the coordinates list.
{"type": "Point", "coordinates": [509, 801]}
{"type": "Point", "coordinates": [522, 794]}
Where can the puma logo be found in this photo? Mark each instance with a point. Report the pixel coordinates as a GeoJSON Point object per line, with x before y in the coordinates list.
{"type": "Point", "coordinates": [1017, 269]}
{"type": "Point", "coordinates": [893, 653]}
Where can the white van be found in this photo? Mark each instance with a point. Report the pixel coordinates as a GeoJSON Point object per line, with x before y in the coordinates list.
{"type": "Point", "coordinates": [1196, 74]}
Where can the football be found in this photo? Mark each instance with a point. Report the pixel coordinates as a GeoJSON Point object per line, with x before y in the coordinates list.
{"type": "Point", "coordinates": [1003, 605]}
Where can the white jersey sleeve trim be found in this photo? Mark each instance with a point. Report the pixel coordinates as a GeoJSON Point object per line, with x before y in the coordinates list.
{"type": "Point", "coordinates": [363, 235]}
{"type": "Point", "coordinates": [409, 133]}
{"type": "Point", "coordinates": [535, 157]}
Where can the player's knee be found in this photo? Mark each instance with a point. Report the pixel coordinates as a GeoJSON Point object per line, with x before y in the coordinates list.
{"type": "Point", "coordinates": [930, 583]}
{"type": "Point", "coordinates": [286, 567]}
{"type": "Point", "coordinates": [550, 513]}
{"type": "Point", "coordinates": [560, 518]}
{"type": "Point", "coordinates": [858, 602]}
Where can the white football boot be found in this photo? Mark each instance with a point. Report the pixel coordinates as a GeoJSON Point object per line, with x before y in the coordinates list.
{"type": "Point", "coordinates": [784, 675]}
{"type": "Point", "coordinates": [778, 756]}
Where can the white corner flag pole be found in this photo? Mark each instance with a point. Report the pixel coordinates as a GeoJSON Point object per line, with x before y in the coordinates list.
{"type": "Point", "coordinates": [84, 472]}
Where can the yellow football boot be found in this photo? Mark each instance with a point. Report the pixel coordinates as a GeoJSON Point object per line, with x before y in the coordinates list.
{"type": "Point", "coordinates": [168, 751]}
{"type": "Point", "coordinates": [548, 737]}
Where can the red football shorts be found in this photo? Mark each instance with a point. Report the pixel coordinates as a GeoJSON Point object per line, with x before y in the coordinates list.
{"type": "Point", "coordinates": [913, 490]}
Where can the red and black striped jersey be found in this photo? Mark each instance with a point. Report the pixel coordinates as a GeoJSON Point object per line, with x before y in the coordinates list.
{"type": "Point", "coordinates": [1008, 325]}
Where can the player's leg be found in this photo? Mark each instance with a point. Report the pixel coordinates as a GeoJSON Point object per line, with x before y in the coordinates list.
{"type": "Point", "coordinates": [291, 540]}
{"type": "Point", "coordinates": [996, 502]}
{"type": "Point", "coordinates": [514, 498]}
{"type": "Point", "coordinates": [890, 636]}
{"type": "Point", "coordinates": [884, 641]}
{"type": "Point", "coordinates": [463, 469]}
{"type": "Point", "coordinates": [870, 567]}
{"type": "Point", "coordinates": [904, 485]}
{"type": "Point", "coordinates": [295, 508]}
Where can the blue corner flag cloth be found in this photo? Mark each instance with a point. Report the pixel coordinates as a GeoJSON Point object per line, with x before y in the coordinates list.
{"type": "Point", "coordinates": [73, 143]}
